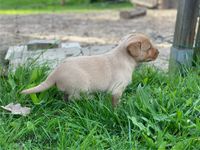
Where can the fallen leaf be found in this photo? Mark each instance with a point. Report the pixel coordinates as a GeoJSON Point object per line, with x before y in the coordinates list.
{"type": "Point", "coordinates": [17, 109]}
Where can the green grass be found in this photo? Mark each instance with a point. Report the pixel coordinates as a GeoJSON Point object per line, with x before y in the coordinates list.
{"type": "Point", "coordinates": [156, 112]}
{"type": "Point", "coordinates": [53, 6]}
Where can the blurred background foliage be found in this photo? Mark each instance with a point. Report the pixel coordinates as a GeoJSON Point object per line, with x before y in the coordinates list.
{"type": "Point", "coordinates": [38, 3]}
{"type": "Point", "coordinates": [47, 6]}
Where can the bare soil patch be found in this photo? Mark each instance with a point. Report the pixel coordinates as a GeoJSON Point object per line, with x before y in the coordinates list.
{"type": "Point", "coordinates": [88, 29]}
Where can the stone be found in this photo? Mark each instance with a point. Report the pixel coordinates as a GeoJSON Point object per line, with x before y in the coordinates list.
{"type": "Point", "coordinates": [42, 44]}
{"type": "Point", "coordinates": [146, 3]}
{"type": "Point", "coordinates": [18, 55]}
{"type": "Point", "coordinates": [70, 45]}
{"type": "Point", "coordinates": [96, 49]}
{"type": "Point", "coordinates": [168, 4]}
{"type": "Point", "coordinates": [15, 52]}
{"type": "Point", "coordinates": [2, 55]}
{"type": "Point", "coordinates": [137, 12]}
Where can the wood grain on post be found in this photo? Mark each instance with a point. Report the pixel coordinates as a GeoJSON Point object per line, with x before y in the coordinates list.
{"type": "Point", "coordinates": [197, 41]}
{"type": "Point", "coordinates": [182, 49]}
{"type": "Point", "coordinates": [185, 24]}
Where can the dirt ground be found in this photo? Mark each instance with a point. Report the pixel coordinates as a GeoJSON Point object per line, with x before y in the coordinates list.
{"type": "Point", "coordinates": [88, 29]}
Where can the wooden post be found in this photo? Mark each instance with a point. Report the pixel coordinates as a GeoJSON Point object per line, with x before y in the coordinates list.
{"type": "Point", "coordinates": [182, 49]}
{"type": "Point", "coordinates": [197, 41]}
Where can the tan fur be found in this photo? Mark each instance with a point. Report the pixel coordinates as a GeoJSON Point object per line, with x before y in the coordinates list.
{"type": "Point", "coordinates": [111, 71]}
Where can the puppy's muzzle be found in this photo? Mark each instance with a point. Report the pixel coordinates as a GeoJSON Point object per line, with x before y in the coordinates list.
{"type": "Point", "coordinates": [153, 56]}
{"type": "Point", "coordinates": [156, 54]}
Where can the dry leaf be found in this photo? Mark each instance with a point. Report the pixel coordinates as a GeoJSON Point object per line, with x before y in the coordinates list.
{"type": "Point", "coordinates": [17, 109]}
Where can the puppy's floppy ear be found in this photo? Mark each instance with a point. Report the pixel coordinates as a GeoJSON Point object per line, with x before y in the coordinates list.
{"type": "Point", "coordinates": [134, 48]}
{"type": "Point", "coordinates": [145, 46]}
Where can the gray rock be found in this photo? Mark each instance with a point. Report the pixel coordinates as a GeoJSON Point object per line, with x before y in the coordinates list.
{"type": "Point", "coordinates": [18, 55]}
{"type": "Point", "coordinates": [42, 44]}
{"type": "Point", "coordinates": [96, 49]}
{"type": "Point", "coordinates": [146, 3]}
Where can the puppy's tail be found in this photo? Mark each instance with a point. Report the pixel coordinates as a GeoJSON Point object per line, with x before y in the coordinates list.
{"type": "Point", "coordinates": [49, 82]}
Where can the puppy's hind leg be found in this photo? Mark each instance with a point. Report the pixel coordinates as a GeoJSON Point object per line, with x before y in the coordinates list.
{"type": "Point", "coordinates": [68, 98]}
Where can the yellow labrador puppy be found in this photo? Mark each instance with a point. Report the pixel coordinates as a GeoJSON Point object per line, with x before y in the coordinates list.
{"type": "Point", "coordinates": [111, 71]}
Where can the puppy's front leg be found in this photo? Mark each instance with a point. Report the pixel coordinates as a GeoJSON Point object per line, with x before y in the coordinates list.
{"type": "Point", "coordinates": [66, 97]}
{"type": "Point", "coordinates": [116, 98]}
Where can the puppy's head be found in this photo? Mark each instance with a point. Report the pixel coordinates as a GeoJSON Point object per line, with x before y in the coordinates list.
{"type": "Point", "coordinates": [140, 48]}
